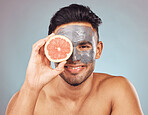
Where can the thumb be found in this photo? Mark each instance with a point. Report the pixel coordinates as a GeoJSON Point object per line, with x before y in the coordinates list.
{"type": "Point", "coordinates": [59, 68]}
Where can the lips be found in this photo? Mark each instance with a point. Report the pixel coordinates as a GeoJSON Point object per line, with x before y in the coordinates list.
{"type": "Point", "coordinates": [74, 68]}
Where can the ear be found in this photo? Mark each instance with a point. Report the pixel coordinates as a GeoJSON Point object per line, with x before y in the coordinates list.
{"type": "Point", "coordinates": [99, 49]}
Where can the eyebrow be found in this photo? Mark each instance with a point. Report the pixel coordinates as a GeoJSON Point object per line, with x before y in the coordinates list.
{"type": "Point", "coordinates": [84, 43]}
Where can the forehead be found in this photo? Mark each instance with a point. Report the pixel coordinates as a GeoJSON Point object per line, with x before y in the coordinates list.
{"type": "Point", "coordinates": [74, 23]}
{"type": "Point", "coordinates": [76, 31]}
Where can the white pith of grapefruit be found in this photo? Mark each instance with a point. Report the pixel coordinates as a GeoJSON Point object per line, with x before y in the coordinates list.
{"type": "Point", "coordinates": [58, 48]}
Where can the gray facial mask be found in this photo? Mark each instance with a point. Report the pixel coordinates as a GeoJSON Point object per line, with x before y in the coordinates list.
{"type": "Point", "coordinates": [80, 34]}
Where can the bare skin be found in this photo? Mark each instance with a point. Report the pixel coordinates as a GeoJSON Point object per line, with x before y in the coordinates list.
{"type": "Point", "coordinates": [44, 92]}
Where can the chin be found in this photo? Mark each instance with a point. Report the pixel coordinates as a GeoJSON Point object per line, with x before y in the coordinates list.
{"type": "Point", "coordinates": [75, 79]}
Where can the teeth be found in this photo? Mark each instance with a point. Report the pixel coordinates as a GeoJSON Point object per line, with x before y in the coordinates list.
{"type": "Point", "coordinates": [74, 67]}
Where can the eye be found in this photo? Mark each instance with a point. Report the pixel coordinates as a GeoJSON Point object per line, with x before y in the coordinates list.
{"type": "Point", "coordinates": [84, 47]}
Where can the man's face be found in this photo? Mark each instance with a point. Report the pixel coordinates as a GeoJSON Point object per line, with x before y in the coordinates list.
{"type": "Point", "coordinates": [82, 61]}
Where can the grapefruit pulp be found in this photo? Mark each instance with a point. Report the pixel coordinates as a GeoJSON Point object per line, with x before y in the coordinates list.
{"type": "Point", "coordinates": [58, 48]}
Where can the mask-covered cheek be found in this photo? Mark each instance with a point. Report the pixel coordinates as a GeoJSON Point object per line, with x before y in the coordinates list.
{"type": "Point", "coordinates": [88, 56]}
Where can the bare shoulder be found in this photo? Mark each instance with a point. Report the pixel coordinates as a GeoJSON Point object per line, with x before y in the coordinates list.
{"type": "Point", "coordinates": [121, 92]}
{"type": "Point", "coordinates": [114, 82]}
{"type": "Point", "coordinates": [108, 78]}
{"type": "Point", "coordinates": [110, 84]}
{"type": "Point", "coordinates": [11, 102]}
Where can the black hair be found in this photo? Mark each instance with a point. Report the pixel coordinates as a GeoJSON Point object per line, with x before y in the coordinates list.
{"type": "Point", "coordinates": [74, 13]}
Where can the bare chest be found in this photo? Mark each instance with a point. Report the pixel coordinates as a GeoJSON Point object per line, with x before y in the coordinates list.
{"type": "Point", "coordinates": [91, 106]}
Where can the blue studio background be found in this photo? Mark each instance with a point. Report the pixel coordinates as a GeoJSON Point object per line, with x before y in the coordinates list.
{"type": "Point", "coordinates": [123, 32]}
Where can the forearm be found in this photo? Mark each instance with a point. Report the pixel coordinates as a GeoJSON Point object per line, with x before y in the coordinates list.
{"type": "Point", "coordinates": [25, 102]}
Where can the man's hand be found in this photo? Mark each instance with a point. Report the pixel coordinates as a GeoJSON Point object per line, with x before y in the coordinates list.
{"type": "Point", "coordinates": [38, 74]}
{"type": "Point", "coordinates": [39, 71]}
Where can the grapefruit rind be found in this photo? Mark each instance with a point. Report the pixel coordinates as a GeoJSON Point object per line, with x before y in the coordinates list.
{"type": "Point", "coordinates": [58, 60]}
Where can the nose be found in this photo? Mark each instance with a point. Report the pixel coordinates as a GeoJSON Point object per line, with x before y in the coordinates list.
{"type": "Point", "coordinates": [75, 55]}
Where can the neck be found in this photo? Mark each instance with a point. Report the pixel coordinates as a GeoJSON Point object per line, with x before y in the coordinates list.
{"type": "Point", "coordinates": [74, 93]}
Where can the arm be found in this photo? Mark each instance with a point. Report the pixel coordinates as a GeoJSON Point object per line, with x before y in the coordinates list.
{"type": "Point", "coordinates": [38, 74]}
{"type": "Point", "coordinates": [23, 102]}
{"type": "Point", "coordinates": [125, 99]}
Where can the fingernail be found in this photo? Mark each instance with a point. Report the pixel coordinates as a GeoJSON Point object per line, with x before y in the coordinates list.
{"type": "Point", "coordinates": [51, 34]}
{"type": "Point", "coordinates": [64, 62]}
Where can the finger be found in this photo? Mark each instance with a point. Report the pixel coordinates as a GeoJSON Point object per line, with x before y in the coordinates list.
{"type": "Point", "coordinates": [41, 51]}
{"type": "Point", "coordinates": [47, 62]}
{"type": "Point", "coordinates": [44, 59]}
{"type": "Point", "coordinates": [59, 69]}
{"type": "Point", "coordinates": [49, 36]}
{"type": "Point", "coordinates": [36, 47]}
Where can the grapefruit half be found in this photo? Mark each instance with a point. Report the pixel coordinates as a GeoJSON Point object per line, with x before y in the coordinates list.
{"type": "Point", "coordinates": [58, 48]}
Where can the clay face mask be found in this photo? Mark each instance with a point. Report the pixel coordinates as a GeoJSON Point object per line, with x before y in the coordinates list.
{"type": "Point", "coordinates": [83, 40]}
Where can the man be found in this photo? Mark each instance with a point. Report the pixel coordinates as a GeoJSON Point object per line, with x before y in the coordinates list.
{"type": "Point", "coordinates": [72, 88]}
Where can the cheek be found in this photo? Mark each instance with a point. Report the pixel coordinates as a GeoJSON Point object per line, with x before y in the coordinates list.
{"type": "Point", "coordinates": [87, 56]}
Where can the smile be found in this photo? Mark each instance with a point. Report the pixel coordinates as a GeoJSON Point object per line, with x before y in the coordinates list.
{"type": "Point", "coordinates": [74, 68]}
